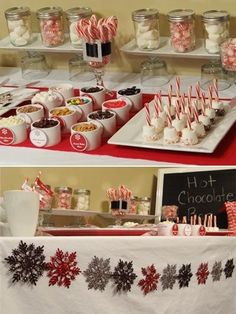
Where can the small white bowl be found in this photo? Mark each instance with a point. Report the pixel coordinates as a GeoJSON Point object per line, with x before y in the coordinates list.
{"type": "Point", "coordinates": [109, 124]}
{"type": "Point", "coordinates": [30, 117]}
{"type": "Point", "coordinates": [18, 132]}
{"type": "Point", "coordinates": [83, 109]}
{"type": "Point", "coordinates": [67, 120]}
{"type": "Point", "coordinates": [98, 98]}
{"type": "Point", "coordinates": [122, 113]}
{"type": "Point", "coordinates": [45, 137]}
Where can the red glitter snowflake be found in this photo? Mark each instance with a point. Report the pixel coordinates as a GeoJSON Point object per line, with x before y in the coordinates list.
{"type": "Point", "coordinates": [202, 273]}
{"type": "Point", "coordinates": [149, 283]}
{"type": "Point", "coordinates": [62, 268]}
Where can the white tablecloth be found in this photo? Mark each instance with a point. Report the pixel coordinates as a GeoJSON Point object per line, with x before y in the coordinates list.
{"type": "Point", "coordinates": [113, 81]}
{"type": "Point", "coordinates": [212, 297]}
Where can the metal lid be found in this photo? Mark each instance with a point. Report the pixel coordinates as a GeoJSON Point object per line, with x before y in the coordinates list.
{"type": "Point", "coordinates": [181, 15]}
{"type": "Point", "coordinates": [63, 189]}
{"type": "Point", "coordinates": [144, 14]}
{"type": "Point", "coordinates": [78, 13]}
{"type": "Point", "coordinates": [16, 12]}
{"type": "Point", "coordinates": [81, 191]}
{"type": "Point", "coordinates": [48, 12]}
{"type": "Point", "coordinates": [215, 16]}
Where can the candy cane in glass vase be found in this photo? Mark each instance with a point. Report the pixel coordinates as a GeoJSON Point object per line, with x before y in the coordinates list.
{"type": "Point", "coordinates": [228, 56]}
{"type": "Point", "coordinates": [97, 36]}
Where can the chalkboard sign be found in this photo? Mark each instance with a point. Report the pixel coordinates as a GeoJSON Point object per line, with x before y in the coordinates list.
{"type": "Point", "coordinates": [197, 192]}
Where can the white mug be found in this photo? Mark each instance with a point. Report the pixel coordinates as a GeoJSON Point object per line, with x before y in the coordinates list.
{"type": "Point", "coordinates": [122, 113]}
{"type": "Point", "coordinates": [83, 109]}
{"type": "Point", "coordinates": [67, 120]}
{"type": "Point", "coordinates": [65, 89]}
{"type": "Point", "coordinates": [109, 124]}
{"type": "Point", "coordinates": [45, 137]}
{"type": "Point", "coordinates": [22, 209]}
{"type": "Point", "coordinates": [30, 117]}
{"type": "Point", "coordinates": [97, 97]}
{"type": "Point", "coordinates": [136, 100]}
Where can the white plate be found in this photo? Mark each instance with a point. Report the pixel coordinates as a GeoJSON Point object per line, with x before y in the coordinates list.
{"type": "Point", "coordinates": [131, 133]}
{"type": "Point", "coordinates": [18, 97]}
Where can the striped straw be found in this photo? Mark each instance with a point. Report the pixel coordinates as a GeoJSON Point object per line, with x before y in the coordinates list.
{"type": "Point", "coordinates": [177, 109]}
{"type": "Point", "coordinates": [203, 104]}
{"type": "Point", "coordinates": [195, 112]}
{"type": "Point", "coordinates": [189, 94]}
{"type": "Point", "coordinates": [148, 116]}
{"type": "Point", "coordinates": [160, 100]}
{"type": "Point", "coordinates": [177, 83]}
{"type": "Point", "coordinates": [168, 117]}
{"type": "Point", "coordinates": [198, 90]}
{"type": "Point", "coordinates": [156, 107]}
{"type": "Point", "coordinates": [215, 89]}
{"type": "Point", "coordinates": [170, 90]}
{"type": "Point", "coordinates": [182, 103]}
{"type": "Point", "coordinates": [188, 121]}
{"type": "Point", "coordinates": [210, 96]}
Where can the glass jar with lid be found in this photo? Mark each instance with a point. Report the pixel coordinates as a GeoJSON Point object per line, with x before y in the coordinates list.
{"type": "Point", "coordinates": [82, 199]}
{"type": "Point", "coordinates": [73, 16]}
{"type": "Point", "coordinates": [144, 206]}
{"type": "Point", "coordinates": [146, 25]}
{"type": "Point", "coordinates": [182, 29]}
{"type": "Point", "coordinates": [51, 26]}
{"type": "Point", "coordinates": [216, 25]}
{"type": "Point", "coordinates": [19, 25]}
{"type": "Point", "coordinates": [63, 197]}
{"type": "Point", "coordinates": [133, 205]}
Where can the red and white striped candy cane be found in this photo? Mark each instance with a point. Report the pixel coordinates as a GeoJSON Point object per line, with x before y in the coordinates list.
{"type": "Point", "coordinates": [210, 96]}
{"type": "Point", "coordinates": [203, 104]}
{"type": "Point", "coordinates": [160, 100]}
{"type": "Point", "coordinates": [170, 90]}
{"type": "Point", "coordinates": [189, 121]}
{"type": "Point", "coordinates": [148, 115]}
{"type": "Point", "coordinates": [93, 19]}
{"type": "Point", "coordinates": [182, 103]}
{"type": "Point", "coordinates": [169, 119]}
{"type": "Point", "coordinates": [198, 90]}
{"type": "Point", "coordinates": [177, 109]}
{"type": "Point", "coordinates": [177, 83]}
{"type": "Point", "coordinates": [189, 95]}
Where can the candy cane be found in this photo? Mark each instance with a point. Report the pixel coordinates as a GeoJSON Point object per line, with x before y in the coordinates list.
{"type": "Point", "coordinates": [182, 103]}
{"type": "Point", "coordinates": [156, 107]}
{"type": "Point", "coordinates": [160, 100]}
{"type": "Point", "coordinates": [177, 81]}
{"type": "Point", "coordinates": [198, 90]}
{"type": "Point", "coordinates": [170, 90]}
{"type": "Point", "coordinates": [168, 117]}
{"type": "Point", "coordinates": [189, 121]}
{"type": "Point", "coordinates": [189, 95]}
{"type": "Point", "coordinates": [203, 104]}
{"type": "Point", "coordinates": [177, 109]}
{"type": "Point", "coordinates": [148, 116]}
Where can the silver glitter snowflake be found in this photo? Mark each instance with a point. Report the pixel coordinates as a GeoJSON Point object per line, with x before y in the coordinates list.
{"type": "Point", "coordinates": [169, 277]}
{"type": "Point", "coordinates": [98, 273]}
{"type": "Point", "coordinates": [216, 271]}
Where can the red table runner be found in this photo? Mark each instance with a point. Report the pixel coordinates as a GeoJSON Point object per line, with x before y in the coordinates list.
{"type": "Point", "coordinates": [223, 155]}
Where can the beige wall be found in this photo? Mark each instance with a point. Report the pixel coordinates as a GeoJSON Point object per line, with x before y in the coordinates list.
{"type": "Point", "coordinates": [97, 180]}
{"type": "Point", "coordinates": [123, 9]}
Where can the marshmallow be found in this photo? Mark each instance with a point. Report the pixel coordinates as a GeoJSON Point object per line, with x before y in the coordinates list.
{"type": "Point", "coordinates": [149, 133]}
{"type": "Point", "coordinates": [147, 35]}
{"type": "Point", "coordinates": [19, 32]}
{"type": "Point", "coordinates": [215, 35]}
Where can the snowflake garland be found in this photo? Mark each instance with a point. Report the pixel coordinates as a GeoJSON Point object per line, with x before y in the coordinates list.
{"type": "Point", "coordinates": [202, 273]}
{"type": "Point", "coordinates": [229, 268]}
{"type": "Point", "coordinates": [216, 271]}
{"type": "Point", "coordinates": [169, 277]}
{"type": "Point", "coordinates": [26, 263]}
{"type": "Point", "coordinates": [124, 276]}
{"type": "Point", "coordinates": [149, 283]}
{"type": "Point", "coordinates": [98, 273]}
{"type": "Point", "coordinates": [62, 268]}
{"type": "Point", "coordinates": [184, 275]}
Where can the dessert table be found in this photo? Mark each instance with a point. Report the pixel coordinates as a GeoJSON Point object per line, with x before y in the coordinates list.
{"type": "Point", "coordinates": [63, 154]}
{"type": "Point", "coordinates": [117, 275]}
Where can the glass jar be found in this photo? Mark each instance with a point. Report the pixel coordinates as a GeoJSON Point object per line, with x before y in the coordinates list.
{"type": "Point", "coordinates": [228, 54]}
{"type": "Point", "coordinates": [51, 26]}
{"type": "Point", "coordinates": [34, 66]}
{"type": "Point", "coordinates": [182, 29]}
{"type": "Point", "coordinates": [82, 199]}
{"type": "Point", "coordinates": [144, 206]}
{"type": "Point", "coordinates": [146, 25]}
{"type": "Point", "coordinates": [19, 25]}
{"type": "Point", "coordinates": [73, 16]}
{"type": "Point", "coordinates": [133, 205]}
{"type": "Point", "coordinates": [45, 198]}
{"type": "Point", "coordinates": [216, 25]}
{"type": "Point", "coordinates": [63, 197]}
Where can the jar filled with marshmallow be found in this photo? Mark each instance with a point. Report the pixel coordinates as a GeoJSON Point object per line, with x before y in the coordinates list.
{"type": "Point", "coordinates": [51, 26]}
{"type": "Point", "coordinates": [216, 25]}
{"type": "Point", "coordinates": [19, 25]}
{"type": "Point", "coordinates": [146, 25]}
{"type": "Point", "coordinates": [144, 206]}
{"type": "Point", "coordinates": [182, 29]}
{"type": "Point", "coordinates": [73, 16]}
{"type": "Point", "coordinates": [63, 197]}
{"type": "Point", "coordinates": [82, 199]}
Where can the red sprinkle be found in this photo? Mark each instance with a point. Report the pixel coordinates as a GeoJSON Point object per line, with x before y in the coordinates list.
{"type": "Point", "coordinates": [115, 104]}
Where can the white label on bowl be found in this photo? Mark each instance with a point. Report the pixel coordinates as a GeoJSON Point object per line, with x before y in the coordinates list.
{"type": "Point", "coordinates": [6, 136]}
{"type": "Point", "coordinates": [187, 230]}
{"type": "Point", "coordinates": [78, 142]}
{"type": "Point", "coordinates": [38, 138]}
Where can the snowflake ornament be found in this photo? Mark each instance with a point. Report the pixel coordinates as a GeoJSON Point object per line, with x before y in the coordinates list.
{"type": "Point", "coordinates": [216, 271]}
{"type": "Point", "coordinates": [62, 269]}
{"type": "Point", "coordinates": [229, 268]}
{"type": "Point", "coordinates": [202, 273]}
{"type": "Point", "coordinates": [169, 277]}
{"type": "Point", "coordinates": [26, 263]}
{"type": "Point", "coordinates": [149, 283]}
{"type": "Point", "coordinates": [124, 276]}
{"type": "Point", "coordinates": [184, 275]}
{"type": "Point", "coordinates": [98, 273]}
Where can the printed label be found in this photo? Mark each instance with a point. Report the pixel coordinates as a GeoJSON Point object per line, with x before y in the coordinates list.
{"type": "Point", "coordinates": [187, 230]}
{"type": "Point", "coordinates": [78, 142]}
{"type": "Point", "coordinates": [202, 231]}
{"type": "Point", "coordinates": [175, 230]}
{"type": "Point", "coordinates": [6, 136]}
{"type": "Point", "coordinates": [38, 138]}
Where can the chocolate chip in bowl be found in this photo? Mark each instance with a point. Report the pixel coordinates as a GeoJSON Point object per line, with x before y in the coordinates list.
{"type": "Point", "coordinates": [91, 89]}
{"type": "Point", "coordinates": [45, 123]}
{"type": "Point", "coordinates": [129, 91]}
{"type": "Point", "coordinates": [101, 115]}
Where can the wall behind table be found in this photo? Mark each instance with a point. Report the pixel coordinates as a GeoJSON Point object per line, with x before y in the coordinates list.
{"type": "Point", "coordinates": [123, 10]}
{"type": "Point", "coordinates": [96, 179]}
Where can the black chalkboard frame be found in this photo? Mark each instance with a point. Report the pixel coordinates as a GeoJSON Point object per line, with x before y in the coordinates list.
{"type": "Point", "coordinates": [165, 171]}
